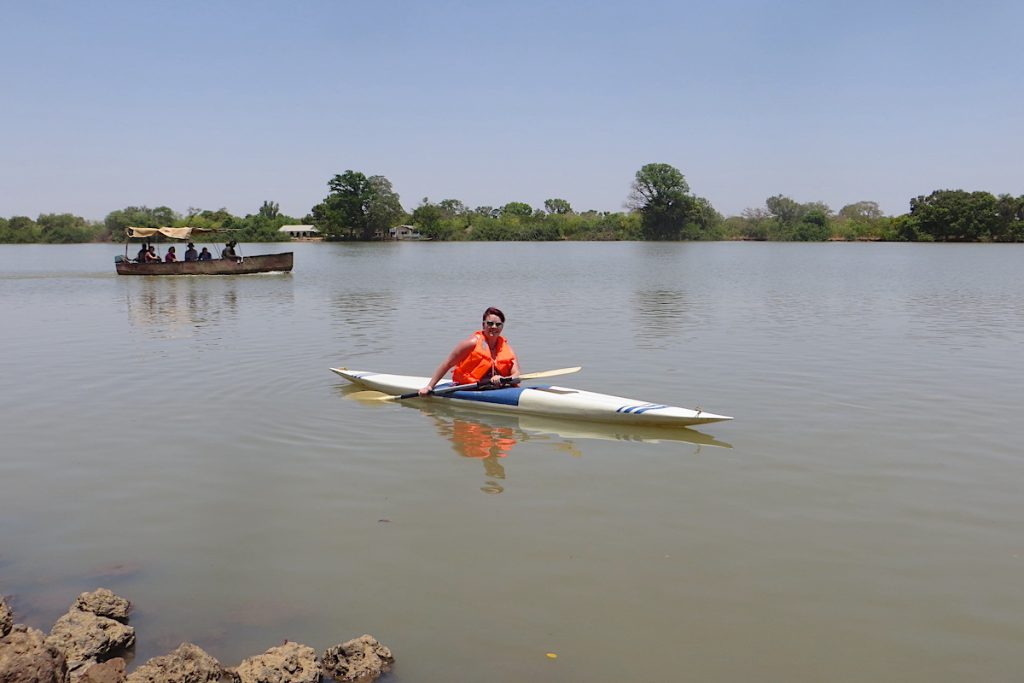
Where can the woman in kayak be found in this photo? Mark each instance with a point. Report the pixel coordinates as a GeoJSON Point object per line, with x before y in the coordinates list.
{"type": "Point", "coordinates": [483, 355]}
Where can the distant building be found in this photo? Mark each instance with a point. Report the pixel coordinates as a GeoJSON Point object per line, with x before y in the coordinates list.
{"type": "Point", "coordinates": [405, 232]}
{"type": "Point", "coordinates": [301, 232]}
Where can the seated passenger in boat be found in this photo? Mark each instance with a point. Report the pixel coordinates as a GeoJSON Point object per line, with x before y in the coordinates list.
{"type": "Point", "coordinates": [229, 250]}
{"type": "Point", "coordinates": [151, 255]}
{"type": "Point", "coordinates": [171, 257]}
{"type": "Point", "coordinates": [191, 254]}
{"type": "Point", "coordinates": [205, 255]}
{"type": "Point", "coordinates": [484, 355]}
{"type": "Point", "coordinates": [141, 256]}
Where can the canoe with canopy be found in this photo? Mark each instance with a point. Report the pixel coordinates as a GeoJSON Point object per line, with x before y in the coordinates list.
{"type": "Point", "coordinates": [240, 265]}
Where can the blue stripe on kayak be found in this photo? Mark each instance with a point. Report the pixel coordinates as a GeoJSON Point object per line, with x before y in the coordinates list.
{"type": "Point", "coordinates": [508, 396]}
{"type": "Point", "coordinates": [640, 409]}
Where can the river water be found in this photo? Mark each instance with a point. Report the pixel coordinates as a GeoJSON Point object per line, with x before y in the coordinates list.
{"type": "Point", "coordinates": [182, 442]}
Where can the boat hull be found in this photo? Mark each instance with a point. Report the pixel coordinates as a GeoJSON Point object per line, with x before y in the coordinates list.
{"type": "Point", "coordinates": [544, 400]}
{"type": "Point", "coordinates": [266, 263]}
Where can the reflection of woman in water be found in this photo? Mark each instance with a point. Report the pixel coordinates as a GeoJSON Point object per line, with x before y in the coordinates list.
{"type": "Point", "coordinates": [490, 440]}
{"type": "Point", "coordinates": [484, 442]}
{"type": "Point", "coordinates": [476, 440]}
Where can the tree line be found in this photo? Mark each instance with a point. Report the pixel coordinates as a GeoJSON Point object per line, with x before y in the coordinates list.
{"type": "Point", "coordinates": [66, 228]}
{"type": "Point", "coordinates": [659, 206]}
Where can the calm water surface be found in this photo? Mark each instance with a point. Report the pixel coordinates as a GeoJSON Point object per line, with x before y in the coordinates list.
{"type": "Point", "coordinates": [181, 441]}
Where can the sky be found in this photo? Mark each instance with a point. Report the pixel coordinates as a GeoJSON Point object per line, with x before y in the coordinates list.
{"type": "Point", "coordinates": [220, 104]}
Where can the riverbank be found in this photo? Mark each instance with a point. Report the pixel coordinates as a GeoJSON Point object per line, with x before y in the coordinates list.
{"type": "Point", "coordinates": [92, 643]}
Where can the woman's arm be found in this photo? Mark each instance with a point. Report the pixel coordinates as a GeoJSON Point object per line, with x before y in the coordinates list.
{"type": "Point", "coordinates": [453, 359]}
{"type": "Point", "coordinates": [515, 364]}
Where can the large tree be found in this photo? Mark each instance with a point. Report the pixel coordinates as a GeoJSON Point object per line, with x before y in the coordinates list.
{"type": "Point", "coordinates": [19, 230]}
{"type": "Point", "coordinates": [264, 225]}
{"type": "Point", "coordinates": [138, 216]}
{"type": "Point", "coordinates": [452, 208]}
{"type": "Point", "coordinates": [861, 211]}
{"type": "Point", "coordinates": [427, 217]}
{"type": "Point", "coordinates": [358, 207]}
{"type": "Point", "coordinates": [792, 220]}
{"type": "Point", "coordinates": [785, 210]}
{"type": "Point", "coordinates": [662, 196]}
{"type": "Point", "coordinates": [1011, 218]}
{"type": "Point", "coordinates": [270, 210]}
{"type": "Point", "coordinates": [521, 209]}
{"type": "Point", "coordinates": [861, 220]}
{"type": "Point", "coordinates": [557, 206]}
{"type": "Point", "coordinates": [66, 228]}
{"type": "Point", "coordinates": [956, 215]}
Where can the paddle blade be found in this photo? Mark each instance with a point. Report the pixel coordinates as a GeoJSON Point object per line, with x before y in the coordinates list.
{"type": "Point", "coordinates": [551, 373]}
{"type": "Point", "coordinates": [371, 396]}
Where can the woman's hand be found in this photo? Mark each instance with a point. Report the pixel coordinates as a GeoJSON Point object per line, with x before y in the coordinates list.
{"type": "Point", "coordinates": [426, 391]}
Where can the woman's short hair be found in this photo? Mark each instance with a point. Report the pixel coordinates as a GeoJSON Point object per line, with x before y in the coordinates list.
{"type": "Point", "coordinates": [494, 311]}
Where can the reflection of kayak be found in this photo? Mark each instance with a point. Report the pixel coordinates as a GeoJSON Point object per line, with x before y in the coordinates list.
{"type": "Point", "coordinates": [537, 425]}
{"type": "Point", "coordinates": [613, 432]}
{"type": "Point", "coordinates": [546, 401]}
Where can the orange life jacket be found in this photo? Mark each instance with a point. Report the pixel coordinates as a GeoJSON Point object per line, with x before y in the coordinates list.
{"type": "Point", "coordinates": [478, 363]}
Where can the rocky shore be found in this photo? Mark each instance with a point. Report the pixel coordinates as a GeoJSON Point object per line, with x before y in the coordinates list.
{"type": "Point", "coordinates": [85, 643]}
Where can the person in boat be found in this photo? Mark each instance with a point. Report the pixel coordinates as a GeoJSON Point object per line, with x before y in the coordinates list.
{"type": "Point", "coordinates": [151, 255]}
{"type": "Point", "coordinates": [205, 255]}
{"type": "Point", "coordinates": [171, 257]}
{"type": "Point", "coordinates": [484, 355]}
{"type": "Point", "coordinates": [229, 250]}
{"type": "Point", "coordinates": [141, 256]}
{"type": "Point", "coordinates": [191, 254]}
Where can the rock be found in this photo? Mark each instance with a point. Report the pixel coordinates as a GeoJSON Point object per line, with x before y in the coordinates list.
{"type": "Point", "coordinates": [102, 602]}
{"type": "Point", "coordinates": [87, 639]}
{"type": "Point", "coordinates": [188, 664]}
{"type": "Point", "coordinates": [6, 617]}
{"type": "Point", "coordinates": [288, 663]}
{"type": "Point", "coordinates": [26, 657]}
{"type": "Point", "coordinates": [110, 671]}
{"type": "Point", "coordinates": [359, 660]}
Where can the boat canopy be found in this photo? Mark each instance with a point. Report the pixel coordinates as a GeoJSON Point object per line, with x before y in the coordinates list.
{"type": "Point", "coordinates": [174, 233]}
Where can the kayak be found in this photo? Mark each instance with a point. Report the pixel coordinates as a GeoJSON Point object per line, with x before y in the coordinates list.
{"type": "Point", "coordinates": [544, 400]}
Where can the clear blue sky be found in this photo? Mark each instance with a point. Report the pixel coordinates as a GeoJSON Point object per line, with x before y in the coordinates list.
{"type": "Point", "coordinates": [214, 104]}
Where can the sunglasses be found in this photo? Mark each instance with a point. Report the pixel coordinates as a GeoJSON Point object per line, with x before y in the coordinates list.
{"type": "Point", "coordinates": [491, 323]}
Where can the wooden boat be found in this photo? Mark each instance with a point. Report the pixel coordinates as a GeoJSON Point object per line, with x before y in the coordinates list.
{"type": "Point", "coordinates": [544, 400]}
{"type": "Point", "coordinates": [264, 263]}
{"type": "Point", "coordinates": [240, 265]}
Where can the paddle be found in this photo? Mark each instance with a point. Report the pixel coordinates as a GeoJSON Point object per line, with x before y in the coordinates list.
{"type": "Point", "coordinates": [483, 384]}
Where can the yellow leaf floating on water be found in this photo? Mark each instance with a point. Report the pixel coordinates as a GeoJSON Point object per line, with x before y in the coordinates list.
{"type": "Point", "coordinates": [552, 655]}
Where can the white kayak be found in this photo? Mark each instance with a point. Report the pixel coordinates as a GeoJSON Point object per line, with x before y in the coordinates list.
{"type": "Point", "coordinates": [545, 400]}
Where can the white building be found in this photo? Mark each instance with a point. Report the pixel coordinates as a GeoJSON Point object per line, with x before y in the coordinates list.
{"type": "Point", "coordinates": [405, 232]}
{"type": "Point", "coordinates": [301, 232]}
